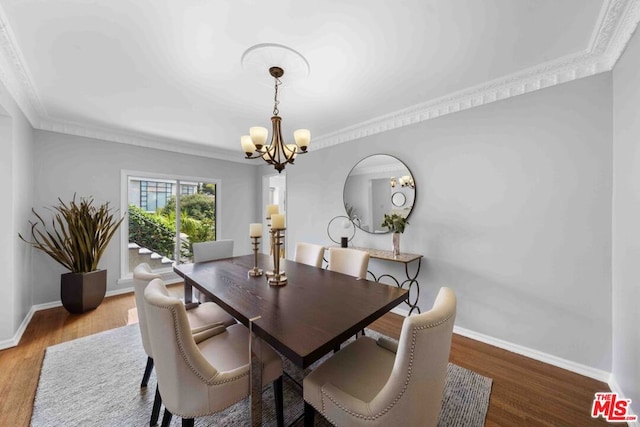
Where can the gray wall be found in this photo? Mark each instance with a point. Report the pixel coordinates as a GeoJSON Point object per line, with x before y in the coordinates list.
{"type": "Point", "coordinates": [16, 175]}
{"type": "Point", "coordinates": [513, 212]}
{"type": "Point", "coordinates": [68, 164]}
{"type": "Point", "coordinates": [626, 223]}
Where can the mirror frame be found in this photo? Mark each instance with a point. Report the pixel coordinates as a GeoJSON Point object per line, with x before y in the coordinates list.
{"type": "Point", "coordinates": [415, 191]}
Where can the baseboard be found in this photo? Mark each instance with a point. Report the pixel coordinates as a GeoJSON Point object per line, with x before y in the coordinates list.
{"type": "Point", "coordinates": [12, 342]}
{"type": "Point", "coordinates": [578, 368]}
{"type": "Point", "coordinates": [615, 387]}
{"type": "Point", "coordinates": [15, 340]}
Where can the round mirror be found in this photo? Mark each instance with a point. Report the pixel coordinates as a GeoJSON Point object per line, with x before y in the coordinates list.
{"type": "Point", "coordinates": [377, 185]}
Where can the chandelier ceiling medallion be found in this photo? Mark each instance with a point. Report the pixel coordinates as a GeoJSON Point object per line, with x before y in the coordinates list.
{"type": "Point", "coordinates": [276, 152]}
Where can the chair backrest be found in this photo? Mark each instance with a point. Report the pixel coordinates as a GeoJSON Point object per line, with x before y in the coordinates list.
{"type": "Point", "coordinates": [308, 253]}
{"type": "Point", "coordinates": [181, 369]}
{"type": "Point", "coordinates": [349, 261]}
{"type": "Point", "coordinates": [142, 275]}
{"type": "Point", "coordinates": [420, 367]}
{"type": "Point", "coordinates": [212, 250]}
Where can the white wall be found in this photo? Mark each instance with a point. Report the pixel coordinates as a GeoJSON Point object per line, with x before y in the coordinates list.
{"type": "Point", "coordinates": [16, 174]}
{"type": "Point", "coordinates": [68, 164]}
{"type": "Point", "coordinates": [513, 211]}
{"type": "Point", "coordinates": [626, 223]}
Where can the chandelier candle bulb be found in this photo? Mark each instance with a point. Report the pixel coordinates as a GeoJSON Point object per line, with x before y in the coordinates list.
{"type": "Point", "coordinates": [302, 138]}
{"type": "Point", "coordinates": [247, 144]}
{"type": "Point", "coordinates": [258, 136]}
{"type": "Point", "coordinates": [272, 209]}
{"type": "Point", "coordinates": [277, 221]}
{"type": "Point", "coordinates": [255, 230]}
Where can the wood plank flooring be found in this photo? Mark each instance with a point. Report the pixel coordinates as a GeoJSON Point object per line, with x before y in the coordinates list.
{"type": "Point", "coordinates": [525, 392]}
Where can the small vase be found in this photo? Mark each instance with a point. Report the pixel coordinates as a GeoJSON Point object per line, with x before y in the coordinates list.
{"type": "Point", "coordinates": [396, 244]}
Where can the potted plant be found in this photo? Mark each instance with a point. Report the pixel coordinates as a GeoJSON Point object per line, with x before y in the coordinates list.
{"type": "Point", "coordinates": [77, 238]}
{"type": "Point", "coordinates": [396, 224]}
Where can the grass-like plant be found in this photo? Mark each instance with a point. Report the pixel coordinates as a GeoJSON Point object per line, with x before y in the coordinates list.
{"type": "Point", "coordinates": [395, 223]}
{"type": "Point", "coordinates": [78, 235]}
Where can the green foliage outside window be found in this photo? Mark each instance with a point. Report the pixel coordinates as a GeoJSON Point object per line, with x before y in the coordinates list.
{"type": "Point", "coordinates": [151, 231]}
{"type": "Point", "coordinates": [156, 231]}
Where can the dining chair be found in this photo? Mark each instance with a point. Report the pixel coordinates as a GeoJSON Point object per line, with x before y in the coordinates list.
{"type": "Point", "coordinates": [212, 250]}
{"type": "Point", "coordinates": [204, 373]}
{"type": "Point", "coordinates": [199, 317]}
{"type": "Point", "coordinates": [384, 382]}
{"type": "Point", "coordinates": [349, 261]}
{"type": "Point", "coordinates": [309, 253]}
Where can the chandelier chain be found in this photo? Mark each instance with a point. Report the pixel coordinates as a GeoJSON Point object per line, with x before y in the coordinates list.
{"type": "Point", "coordinates": [275, 97]}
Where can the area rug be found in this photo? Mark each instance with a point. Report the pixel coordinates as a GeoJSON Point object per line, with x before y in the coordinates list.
{"type": "Point", "coordinates": [95, 381]}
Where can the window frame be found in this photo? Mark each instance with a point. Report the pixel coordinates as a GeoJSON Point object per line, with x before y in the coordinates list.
{"type": "Point", "coordinates": [125, 174]}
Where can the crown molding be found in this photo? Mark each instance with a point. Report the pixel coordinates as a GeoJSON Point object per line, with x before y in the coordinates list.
{"type": "Point", "coordinates": [16, 77]}
{"type": "Point", "coordinates": [158, 143]}
{"type": "Point", "coordinates": [617, 21]}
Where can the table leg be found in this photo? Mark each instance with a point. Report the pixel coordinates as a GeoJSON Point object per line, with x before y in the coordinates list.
{"type": "Point", "coordinates": [188, 295]}
{"type": "Point", "coordinates": [255, 397]}
{"type": "Point", "coordinates": [188, 291]}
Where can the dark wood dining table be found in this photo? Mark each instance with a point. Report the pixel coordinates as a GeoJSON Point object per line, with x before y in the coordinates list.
{"type": "Point", "coordinates": [308, 317]}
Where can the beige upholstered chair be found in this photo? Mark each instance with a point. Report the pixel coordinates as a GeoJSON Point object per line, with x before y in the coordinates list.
{"type": "Point", "coordinates": [212, 250]}
{"type": "Point", "coordinates": [204, 373]}
{"type": "Point", "coordinates": [308, 253]}
{"type": "Point", "coordinates": [349, 261]}
{"type": "Point", "coordinates": [381, 383]}
{"type": "Point", "coordinates": [200, 317]}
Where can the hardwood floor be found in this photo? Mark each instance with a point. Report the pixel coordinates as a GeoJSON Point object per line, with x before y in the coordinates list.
{"type": "Point", "coordinates": [525, 392]}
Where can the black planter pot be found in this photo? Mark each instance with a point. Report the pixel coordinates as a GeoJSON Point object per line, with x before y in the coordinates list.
{"type": "Point", "coordinates": [81, 292]}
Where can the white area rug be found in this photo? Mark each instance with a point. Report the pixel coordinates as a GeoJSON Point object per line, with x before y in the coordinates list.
{"type": "Point", "coordinates": [95, 381]}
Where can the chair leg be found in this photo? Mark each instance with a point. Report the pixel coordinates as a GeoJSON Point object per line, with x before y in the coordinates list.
{"type": "Point", "coordinates": [309, 413]}
{"type": "Point", "coordinates": [147, 372]}
{"type": "Point", "coordinates": [279, 401]}
{"type": "Point", "coordinates": [155, 412]}
{"type": "Point", "coordinates": [166, 418]}
{"type": "Point", "coordinates": [187, 422]}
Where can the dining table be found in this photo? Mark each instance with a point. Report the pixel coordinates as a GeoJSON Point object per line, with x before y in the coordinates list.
{"type": "Point", "coordinates": [304, 319]}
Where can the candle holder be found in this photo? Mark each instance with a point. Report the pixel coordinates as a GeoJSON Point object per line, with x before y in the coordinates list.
{"type": "Point", "coordinates": [255, 271]}
{"type": "Point", "coordinates": [276, 277]}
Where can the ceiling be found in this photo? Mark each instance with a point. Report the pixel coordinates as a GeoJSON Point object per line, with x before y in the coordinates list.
{"type": "Point", "coordinates": [167, 73]}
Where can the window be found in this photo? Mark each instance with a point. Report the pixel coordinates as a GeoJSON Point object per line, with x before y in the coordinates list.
{"type": "Point", "coordinates": [155, 194]}
{"type": "Point", "coordinates": [156, 233]}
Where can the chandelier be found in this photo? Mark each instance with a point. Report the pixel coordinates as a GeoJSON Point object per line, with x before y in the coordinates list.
{"type": "Point", "coordinates": [404, 181]}
{"type": "Point", "coordinates": [276, 153]}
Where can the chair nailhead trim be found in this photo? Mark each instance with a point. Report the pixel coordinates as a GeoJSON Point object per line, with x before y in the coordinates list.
{"type": "Point", "coordinates": [211, 381]}
{"type": "Point", "coordinates": [414, 333]}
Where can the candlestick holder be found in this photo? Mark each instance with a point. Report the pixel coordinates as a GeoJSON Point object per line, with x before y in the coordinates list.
{"type": "Point", "coordinates": [276, 277]}
{"type": "Point", "coordinates": [255, 271]}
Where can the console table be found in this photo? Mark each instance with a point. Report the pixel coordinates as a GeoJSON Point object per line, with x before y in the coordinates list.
{"type": "Point", "coordinates": [411, 282]}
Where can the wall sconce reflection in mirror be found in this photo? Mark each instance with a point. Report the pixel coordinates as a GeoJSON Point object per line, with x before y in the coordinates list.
{"type": "Point", "coordinates": [398, 199]}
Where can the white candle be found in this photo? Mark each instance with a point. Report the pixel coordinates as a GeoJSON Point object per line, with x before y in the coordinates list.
{"type": "Point", "coordinates": [277, 221]}
{"type": "Point", "coordinates": [255, 230]}
{"type": "Point", "coordinates": [272, 209]}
